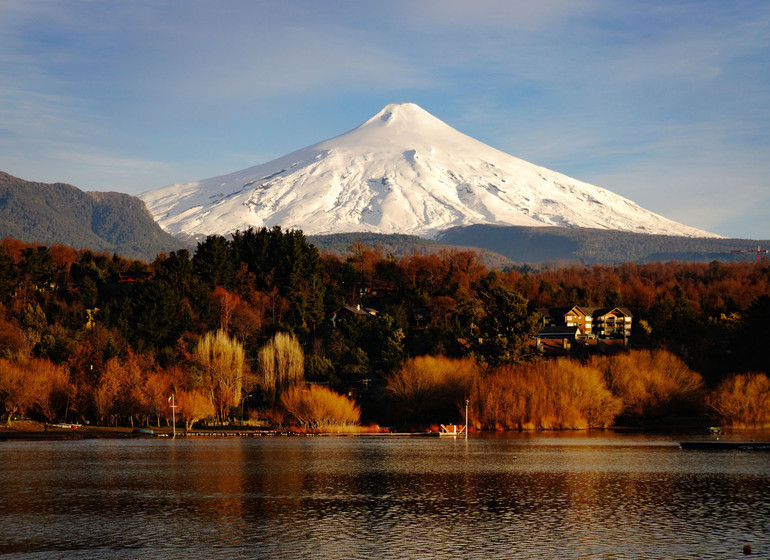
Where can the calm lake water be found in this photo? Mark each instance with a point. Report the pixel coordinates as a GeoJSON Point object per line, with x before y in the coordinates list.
{"type": "Point", "coordinates": [514, 496]}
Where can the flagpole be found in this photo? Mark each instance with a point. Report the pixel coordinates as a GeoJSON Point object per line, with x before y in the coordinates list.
{"type": "Point", "coordinates": [173, 415]}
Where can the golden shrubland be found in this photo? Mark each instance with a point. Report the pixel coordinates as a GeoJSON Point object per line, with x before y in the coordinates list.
{"type": "Point", "coordinates": [649, 382]}
{"type": "Point", "coordinates": [569, 394]}
{"type": "Point", "coordinates": [546, 394]}
{"type": "Point", "coordinates": [318, 408]}
{"type": "Point", "coordinates": [743, 400]}
{"type": "Point", "coordinates": [428, 385]}
{"type": "Point", "coordinates": [553, 394]}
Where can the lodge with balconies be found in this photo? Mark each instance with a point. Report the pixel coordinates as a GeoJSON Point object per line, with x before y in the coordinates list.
{"type": "Point", "coordinates": [587, 322]}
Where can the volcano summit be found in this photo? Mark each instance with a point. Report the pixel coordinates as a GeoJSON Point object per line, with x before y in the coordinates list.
{"type": "Point", "coordinates": [402, 171]}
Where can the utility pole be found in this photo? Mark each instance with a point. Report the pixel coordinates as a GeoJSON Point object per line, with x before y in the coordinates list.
{"type": "Point", "coordinates": [466, 417]}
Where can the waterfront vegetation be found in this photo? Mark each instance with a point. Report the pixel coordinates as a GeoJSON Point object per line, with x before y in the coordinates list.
{"type": "Point", "coordinates": [262, 327]}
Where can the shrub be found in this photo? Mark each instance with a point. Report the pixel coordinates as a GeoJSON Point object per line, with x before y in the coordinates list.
{"type": "Point", "coordinates": [743, 400]}
{"type": "Point", "coordinates": [429, 386]}
{"type": "Point", "coordinates": [554, 394]}
{"type": "Point", "coordinates": [650, 382]}
{"type": "Point", "coordinates": [318, 408]}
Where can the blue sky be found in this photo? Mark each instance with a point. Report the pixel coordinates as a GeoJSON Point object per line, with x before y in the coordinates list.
{"type": "Point", "coordinates": [666, 103]}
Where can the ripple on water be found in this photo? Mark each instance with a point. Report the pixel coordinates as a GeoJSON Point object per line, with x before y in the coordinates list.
{"type": "Point", "coordinates": [380, 498]}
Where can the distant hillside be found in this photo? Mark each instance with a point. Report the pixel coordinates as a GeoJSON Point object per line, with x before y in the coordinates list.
{"type": "Point", "coordinates": [400, 245]}
{"type": "Point", "coordinates": [543, 244]}
{"type": "Point", "coordinates": [59, 213]}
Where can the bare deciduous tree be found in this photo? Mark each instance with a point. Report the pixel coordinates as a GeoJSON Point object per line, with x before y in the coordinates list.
{"type": "Point", "coordinates": [281, 365]}
{"type": "Point", "coordinates": [222, 362]}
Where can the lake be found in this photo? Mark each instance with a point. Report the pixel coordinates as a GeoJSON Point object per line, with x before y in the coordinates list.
{"type": "Point", "coordinates": [562, 495]}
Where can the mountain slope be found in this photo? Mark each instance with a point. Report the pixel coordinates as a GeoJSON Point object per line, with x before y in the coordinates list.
{"type": "Point", "coordinates": [402, 171]}
{"type": "Point", "coordinates": [59, 213]}
{"type": "Point", "coordinates": [542, 244]}
{"type": "Point", "coordinates": [400, 245]}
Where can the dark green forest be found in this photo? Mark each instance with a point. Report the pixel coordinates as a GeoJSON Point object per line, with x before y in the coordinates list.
{"type": "Point", "coordinates": [59, 213]}
{"type": "Point", "coordinates": [591, 245]}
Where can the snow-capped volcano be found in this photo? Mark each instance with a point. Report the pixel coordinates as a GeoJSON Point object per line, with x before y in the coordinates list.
{"type": "Point", "coordinates": [402, 171]}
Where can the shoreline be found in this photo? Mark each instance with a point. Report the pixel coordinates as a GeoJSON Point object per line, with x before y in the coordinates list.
{"type": "Point", "coordinates": [27, 430]}
{"type": "Point", "coordinates": [35, 431]}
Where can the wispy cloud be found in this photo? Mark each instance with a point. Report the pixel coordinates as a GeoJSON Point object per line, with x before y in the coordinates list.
{"type": "Point", "coordinates": [502, 15]}
{"type": "Point", "coordinates": [661, 101]}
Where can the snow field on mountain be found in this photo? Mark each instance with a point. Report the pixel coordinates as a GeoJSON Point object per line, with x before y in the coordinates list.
{"type": "Point", "coordinates": [402, 171]}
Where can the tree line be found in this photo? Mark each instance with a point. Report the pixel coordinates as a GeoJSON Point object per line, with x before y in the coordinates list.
{"type": "Point", "coordinates": [244, 322]}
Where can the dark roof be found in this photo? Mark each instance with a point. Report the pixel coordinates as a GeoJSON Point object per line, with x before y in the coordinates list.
{"type": "Point", "coordinates": [557, 311]}
{"type": "Point", "coordinates": [601, 311]}
{"type": "Point", "coordinates": [353, 310]}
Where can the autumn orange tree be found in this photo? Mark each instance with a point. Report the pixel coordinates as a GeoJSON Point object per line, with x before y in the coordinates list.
{"type": "Point", "coordinates": [105, 392]}
{"type": "Point", "coordinates": [53, 388]}
{"type": "Point", "coordinates": [34, 385]}
{"type": "Point", "coordinates": [157, 389]}
{"type": "Point", "coordinates": [17, 394]}
{"type": "Point", "coordinates": [193, 405]}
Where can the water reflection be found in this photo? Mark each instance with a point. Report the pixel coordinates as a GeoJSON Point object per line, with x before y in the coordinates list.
{"type": "Point", "coordinates": [486, 497]}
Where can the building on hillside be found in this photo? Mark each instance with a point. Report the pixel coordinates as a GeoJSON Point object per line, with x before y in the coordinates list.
{"type": "Point", "coordinates": [611, 322]}
{"type": "Point", "coordinates": [376, 289]}
{"type": "Point", "coordinates": [350, 311]}
{"type": "Point", "coordinates": [590, 322]}
{"type": "Point", "coordinates": [420, 318]}
{"type": "Point", "coordinates": [555, 341]}
{"type": "Point", "coordinates": [124, 277]}
{"type": "Point", "coordinates": [571, 316]}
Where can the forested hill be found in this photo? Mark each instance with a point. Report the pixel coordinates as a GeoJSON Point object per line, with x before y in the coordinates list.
{"type": "Point", "coordinates": [59, 213]}
{"type": "Point", "coordinates": [400, 245]}
{"type": "Point", "coordinates": [542, 244]}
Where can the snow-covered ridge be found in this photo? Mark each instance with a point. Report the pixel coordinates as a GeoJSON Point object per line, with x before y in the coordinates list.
{"type": "Point", "coordinates": [402, 171]}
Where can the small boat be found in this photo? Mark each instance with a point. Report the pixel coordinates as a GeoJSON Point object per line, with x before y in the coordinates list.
{"type": "Point", "coordinates": [726, 445]}
{"type": "Point", "coordinates": [71, 425]}
{"type": "Point", "coordinates": [451, 430]}
{"type": "Point", "coordinates": [143, 432]}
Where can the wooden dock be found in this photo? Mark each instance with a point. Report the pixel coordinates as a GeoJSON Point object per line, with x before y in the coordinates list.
{"type": "Point", "coordinates": [727, 445]}
{"type": "Point", "coordinates": [269, 433]}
